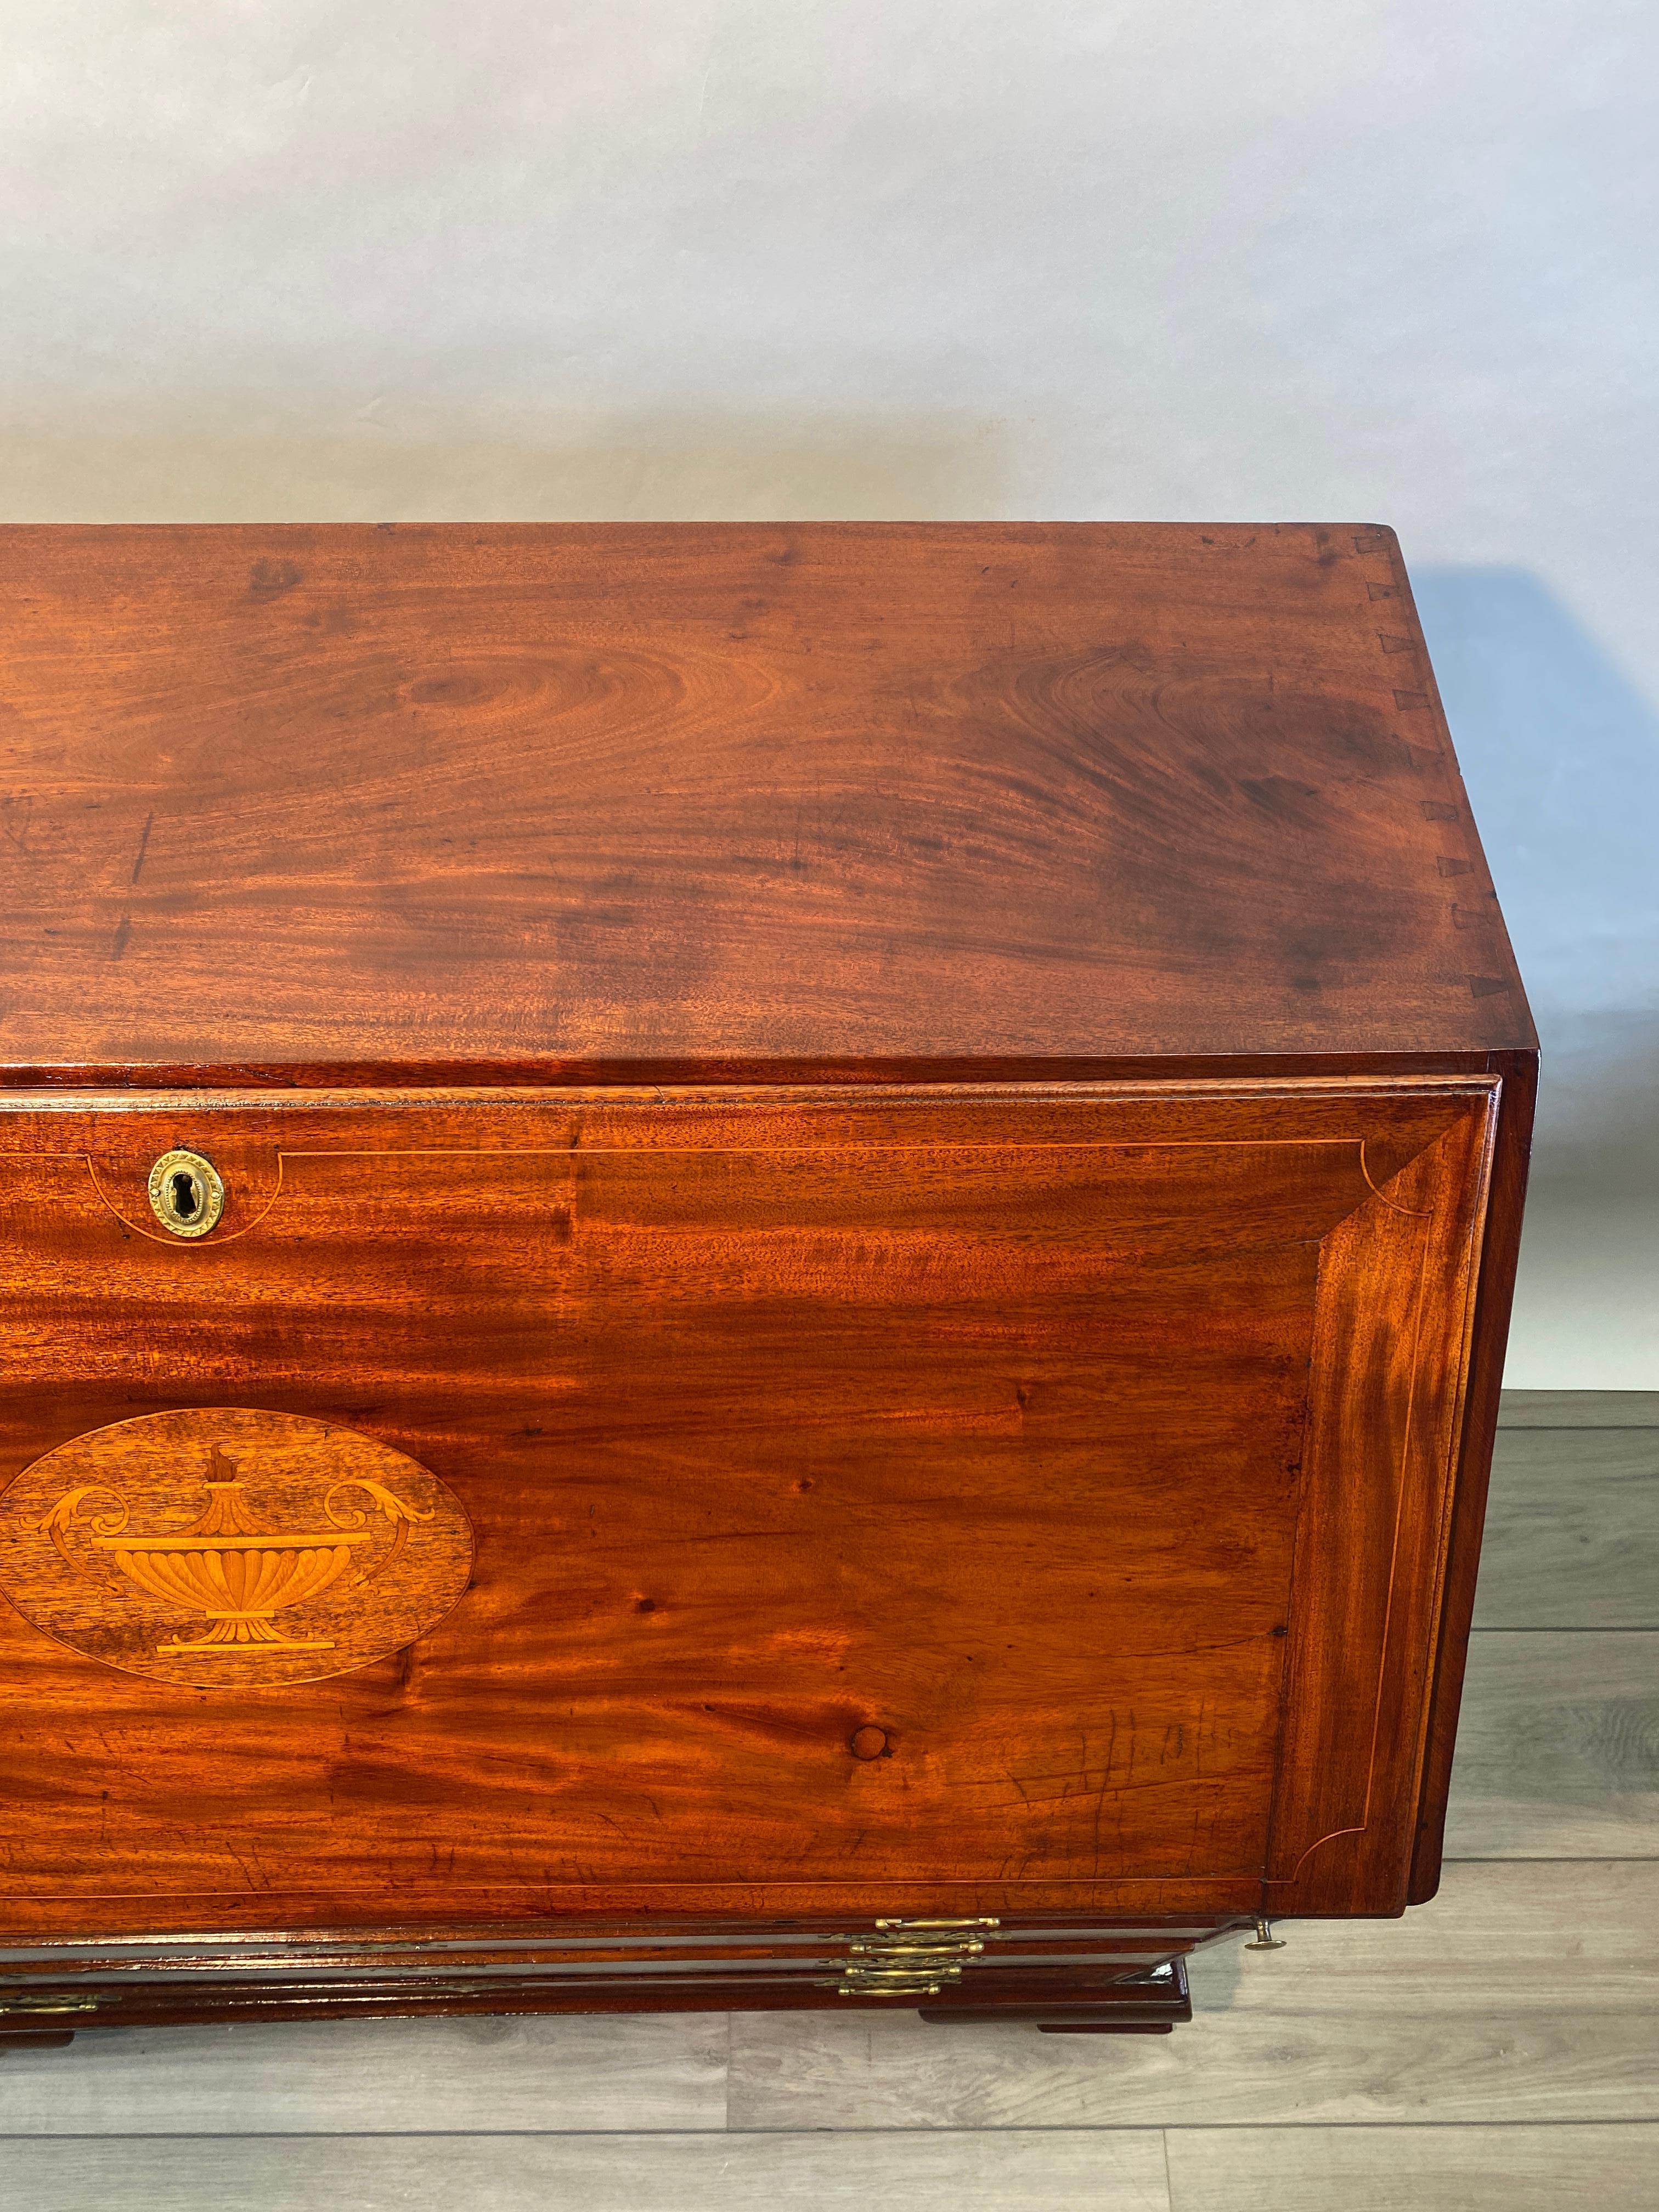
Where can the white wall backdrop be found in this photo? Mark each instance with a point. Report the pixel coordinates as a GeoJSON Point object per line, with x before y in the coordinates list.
{"type": "Point", "coordinates": [1394, 261]}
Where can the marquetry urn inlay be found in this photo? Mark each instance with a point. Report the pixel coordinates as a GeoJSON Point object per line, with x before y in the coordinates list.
{"type": "Point", "coordinates": [228, 1548]}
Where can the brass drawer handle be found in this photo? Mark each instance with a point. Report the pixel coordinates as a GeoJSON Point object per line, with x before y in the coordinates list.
{"type": "Point", "coordinates": [935, 1950]}
{"type": "Point", "coordinates": [911, 1957]}
{"type": "Point", "coordinates": [948, 1927]}
{"type": "Point", "coordinates": [890, 1989]}
{"type": "Point", "coordinates": [14, 2004]}
{"type": "Point", "coordinates": [186, 1194]}
{"type": "Point", "coordinates": [906, 1988]}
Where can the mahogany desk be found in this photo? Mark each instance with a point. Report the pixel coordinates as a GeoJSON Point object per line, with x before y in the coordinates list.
{"type": "Point", "coordinates": [742, 1265]}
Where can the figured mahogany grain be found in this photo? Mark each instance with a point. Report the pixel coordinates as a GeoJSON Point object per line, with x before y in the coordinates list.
{"type": "Point", "coordinates": [569, 802]}
{"type": "Point", "coordinates": [975, 1420]}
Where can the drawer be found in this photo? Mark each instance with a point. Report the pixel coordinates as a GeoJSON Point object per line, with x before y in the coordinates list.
{"type": "Point", "coordinates": [745, 1503]}
{"type": "Point", "coordinates": [953, 1964]}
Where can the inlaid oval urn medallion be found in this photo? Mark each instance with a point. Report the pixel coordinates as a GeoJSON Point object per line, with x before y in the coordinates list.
{"type": "Point", "coordinates": [232, 1549]}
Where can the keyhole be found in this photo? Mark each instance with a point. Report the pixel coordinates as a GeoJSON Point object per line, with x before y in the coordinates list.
{"type": "Point", "coordinates": [186, 1194]}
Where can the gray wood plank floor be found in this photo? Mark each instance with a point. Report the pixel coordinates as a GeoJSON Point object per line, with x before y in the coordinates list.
{"type": "Point", "coordinates": [1581, 1409]}
{"type": "Point", "coordinates": [1404, 2169]}
{"type": "Point", "coordinates": [1498, 2048]}
{"type": "Point", "coordinates": [1084, 2170]}
{"type": "Point", "coordinates": [1572, 1531]}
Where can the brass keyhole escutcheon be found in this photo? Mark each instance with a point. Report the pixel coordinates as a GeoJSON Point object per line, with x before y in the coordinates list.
{"type": "Point", "coordinates": [185, 1194]}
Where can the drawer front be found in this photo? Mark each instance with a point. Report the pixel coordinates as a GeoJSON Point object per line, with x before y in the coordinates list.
{"type": "Point", "coordinates": [957, 1963]}
{"type": "Point", "coordinates": [936, 1502]}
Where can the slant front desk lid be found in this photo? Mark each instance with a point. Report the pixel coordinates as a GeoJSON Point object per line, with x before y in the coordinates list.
{"type": "Point", "coordinates": [692, 801]}
{"type": "Point", "coordinates": [864, 1500]}
{"type": "Point", "coordinates": [713, 1228]}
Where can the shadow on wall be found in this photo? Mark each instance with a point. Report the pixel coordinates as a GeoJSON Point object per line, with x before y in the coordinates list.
{"type": "Point", "coordinates": [1561, 756]}
{"type": "Point", "coordinates": [757, 466]}
{"type": "Point", "coordinates": [1561, 753]}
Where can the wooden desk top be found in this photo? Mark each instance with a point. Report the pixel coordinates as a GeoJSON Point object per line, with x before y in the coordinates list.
{"type": "Point", "coordinates": [560, 803]}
